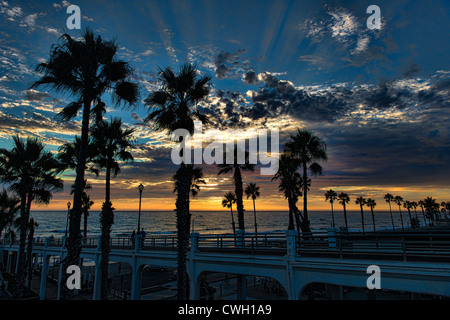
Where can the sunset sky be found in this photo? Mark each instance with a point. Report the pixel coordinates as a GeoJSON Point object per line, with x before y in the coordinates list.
{"type": "Point", "coordinates": [378, 98]}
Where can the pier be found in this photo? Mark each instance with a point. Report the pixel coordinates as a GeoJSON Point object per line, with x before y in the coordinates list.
{"type": "Point", "coordinates": [414, 261]}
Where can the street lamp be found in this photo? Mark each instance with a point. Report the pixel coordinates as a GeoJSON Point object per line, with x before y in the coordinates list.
{"type": "Point", "coordinates": [193, 220]}
{"type": "Point", "coordinates": [68, 212]}
{"type": "Point", "coordinates": [141, 188]}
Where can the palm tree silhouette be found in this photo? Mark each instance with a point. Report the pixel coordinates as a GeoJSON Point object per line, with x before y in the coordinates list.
{"type": "Point", "coordinates": [195, 176]}
{"type": "Point", "coordinates": [173, 107]}
{"type": "Point", "coordinates": [421, 203]}
{"type": "Point", "coordinates": [290, 185]}
{"type": "Point", "coordinates": [252, 190]}
{"type": "Point", "coordinates": [309, 149]}
{"type": "Point", "coordinates": [112, 143]}
{"type": "Point", "coordinates": [372, 204]}
{"type": "Point", "coordinates": [399, 200]}
{"type": "Point", "coordinates": [415, 205]}
{"type": "Point", "coordinates": [331, 196]}
{"type": "Point", "coordinates": [86, 204]}
{"type": "Point", "coordinates": [362, 202]}
{"type": "Point", "coordinates": [237, 168]}
{"type": "Point", "coordinates": [228, 199]}
{"type": "Point", "coordinates": [9, 206]}
{"type": "Point", "coordinates": [407, 205]}
{"type": "Point", "coordinates": [31, 173]}
{"type": "Point", "coordinates": [86, 68]}
{"type": "Point", "coordinates": [344, 199]}
{"type": "Point", "coordinates": [389, 198]}
{"type": "Point", "coordinates": [431, 208]}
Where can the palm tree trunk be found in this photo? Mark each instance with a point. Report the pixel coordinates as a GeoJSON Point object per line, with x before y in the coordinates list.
{"type": "Point", "coordinates": [74, 242]}
{"type": "Point", "coordinates": [345, 217]}
{"type": "Point", "coordinates": [332, 215]}
{"type": "Point", "coordinates": [305, 193]}
{"type": "Point", "coordinates": [362, 218]}
{"type": "Point", "coordinates": [21, 267]}
{"type": "Point", "coordinates": [239, 190]}
{"type": "Point", "coordinates": [401, 217]}
{"type": "Point", "coordinates": [373, 218]}
{"type": "Point", "coordinates": [107, 220]}
{"type": "Point", "coordinates": [85, 215]}
{"type": "Point", "coordinates": [232, 223]}
{"type": "Point", "coordinates": [29, 260]}
{"type": "Point", "coordinates": [392, 218]}
{"type": "Point", "coordinates": [182, 211]}
{"type": "Point", "coordinates": [291, 215]}
{"type": "Point", "coordinates": [423, 214]}
{"type": "Point", "coordinates": [254, 215]}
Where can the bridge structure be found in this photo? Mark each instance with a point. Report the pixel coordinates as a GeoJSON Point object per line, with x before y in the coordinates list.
{"type": "Point", "coordinates": [417, 262]}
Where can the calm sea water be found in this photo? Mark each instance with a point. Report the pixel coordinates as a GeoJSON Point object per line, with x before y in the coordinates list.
{"type": "Point", "coordinates": [164, 222]}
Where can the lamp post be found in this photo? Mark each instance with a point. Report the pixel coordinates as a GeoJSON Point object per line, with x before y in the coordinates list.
{"type": "Point", "coordinates": [67, 219]}
{"type": "Point", "coordinates": [141, 188]}
{"type": "Point", "coordinates": [193, 220]}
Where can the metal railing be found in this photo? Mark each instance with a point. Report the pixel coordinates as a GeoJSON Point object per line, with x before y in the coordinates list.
{"type": "Point", "coordinates": [426, 245]}
{"type": "Point", "coordinates": [261, 243]}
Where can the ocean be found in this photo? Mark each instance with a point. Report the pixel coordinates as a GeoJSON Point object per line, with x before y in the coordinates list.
{"type": "Point", "coordinates": [212, 222]}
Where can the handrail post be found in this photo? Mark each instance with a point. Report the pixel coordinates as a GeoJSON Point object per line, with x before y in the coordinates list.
{"type": "Point", "coordinates": [332, 232]}
{"type": "Point", "coordinates": [194, 242]}
{"type": "Point", "coordinates": [240, 238]}
{"type": "Point", "coordinates": [137, 242]}
{"type": "Point", "coordinates": [291, 241]}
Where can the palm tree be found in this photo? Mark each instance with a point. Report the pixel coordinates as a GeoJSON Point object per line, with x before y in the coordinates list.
{"type": "Point", "coordinates": [237, 168]}
{"type": "Point", "coordinates": [86, 68]}
{"type": "Point", "coordinates": [252, 190]}
{"type": "Point", "coordinates": [228, 199]}
{"type": "Point", "coordinates": [445, 208]}
{"type": "Point", "coordinates": [29, 259]}
{"type": "Point", "coordinates": [308, 149]}
{"type": "Point", "coordinates": [431, 208]}
{"type": "Point", "coordinates": [112, 144]}
{"type": "Point", "coordinates": [399, 200]}
{"type": "Point", "coordinates": [407, 205]}
{"type": "Point", "coordinates": [195, 175]}
{"type": "Point", "coordinates": [173, 107]}
{"type": "Point", "coordinates": [31, 174]}
{"type": "Point", "coordinates": [344, 199]}
{"type": "Point", "coordinates": [290, 182]}
{"type": "Point", "coordinates": [371, 203]}
{"type": "Point", "coordinates": [362, 202]}
{"type": "Point", "coordinates": [389, 198]}
{"type": "Point", "coordinates": [331, 196]}
{"type": "Point", "coordinates": [421, 203]}
{"type": "Point", "coordinates": [415, 205]}
{"type": "Point", "coordinates": [8, 209]}
{"type": "Point", "coordinates": [86, 204]}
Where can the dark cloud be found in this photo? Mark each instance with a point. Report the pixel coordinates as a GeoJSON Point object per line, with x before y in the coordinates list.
{"type": "Point", "coordinates": [35, 96]}
{"type": "Point", "coordinates": [226, 62]}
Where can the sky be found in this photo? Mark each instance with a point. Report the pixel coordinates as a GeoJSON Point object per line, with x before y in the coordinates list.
{"type": "Point", "coordinates": [379, 98]}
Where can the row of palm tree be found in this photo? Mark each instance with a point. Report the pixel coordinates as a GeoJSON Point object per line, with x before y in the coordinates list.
{"type": "Point", "coordinates": [87, 68]}
{"type": "Point", "coordinates": [31, 174]}
{"type": "Point", "coordinates": [430, 208]}
{"type": "Point", "coordinates": [229, 198]}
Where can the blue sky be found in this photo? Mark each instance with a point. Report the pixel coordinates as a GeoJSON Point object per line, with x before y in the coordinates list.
{"type": "Point", "coordinates": [379, 98]}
